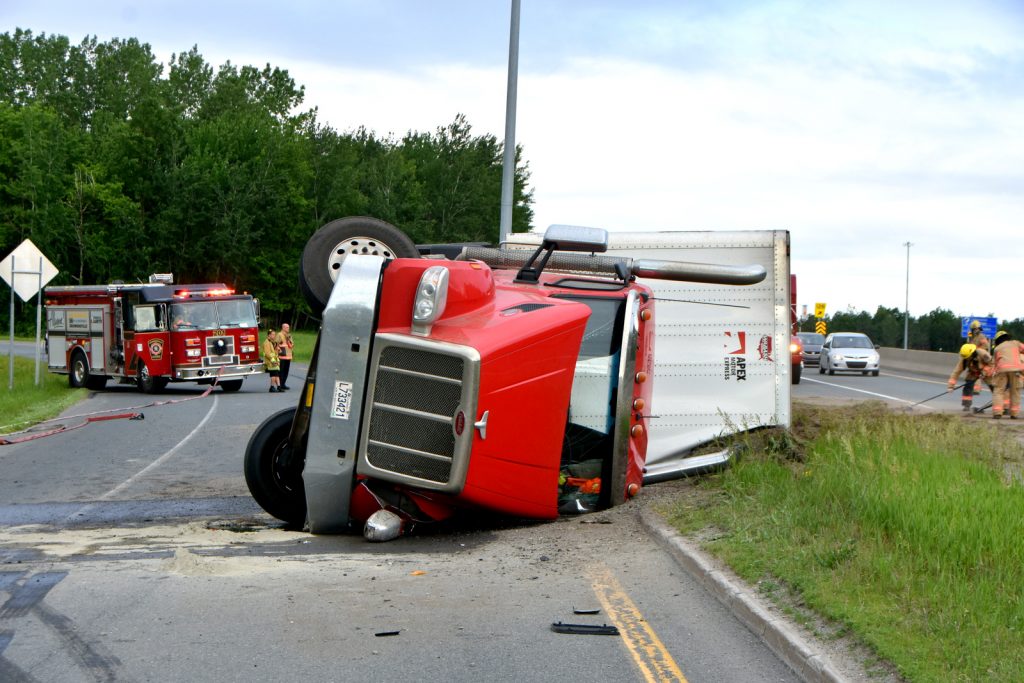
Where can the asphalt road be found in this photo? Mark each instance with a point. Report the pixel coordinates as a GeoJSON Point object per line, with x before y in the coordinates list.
{"type": "Point", "coordinates": [895, 387]}
{"type": "Point", "coordinates": [130, 550]}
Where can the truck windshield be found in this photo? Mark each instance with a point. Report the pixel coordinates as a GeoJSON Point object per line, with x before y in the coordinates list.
{"type": "Point", "coordinates": [591, 405]}
{"type": "Point", "coordinates": [212, 315]}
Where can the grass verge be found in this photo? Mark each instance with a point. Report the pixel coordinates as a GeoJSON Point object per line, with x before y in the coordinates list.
{"type": "Point", "coordinates": [304, 341]}
{"type": "Point", "coordinates": [906, 529]}
{"type": "Point", "coordinates": [27, 404]}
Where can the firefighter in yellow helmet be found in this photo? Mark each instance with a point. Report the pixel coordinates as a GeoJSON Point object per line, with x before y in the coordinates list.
{"type": "Point", "coordinates": [976, 336]}
{"type": "Point", "coordinates": [977, 364]}
{"type": "Point", "coordinates": [1009, 363]}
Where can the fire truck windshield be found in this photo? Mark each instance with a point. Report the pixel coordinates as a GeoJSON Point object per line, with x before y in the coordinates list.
{"type": "Point", "coordinates": [213, 315]}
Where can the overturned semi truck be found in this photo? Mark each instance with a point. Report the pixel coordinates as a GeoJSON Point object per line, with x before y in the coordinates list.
{"type": "Point", "coordinates": [532, 380]}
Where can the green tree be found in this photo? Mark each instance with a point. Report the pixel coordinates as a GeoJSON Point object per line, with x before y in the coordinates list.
{"type": "Point", "coordinates": [117, 167]}
{"type": "Point", "coordinates": [102, 221]}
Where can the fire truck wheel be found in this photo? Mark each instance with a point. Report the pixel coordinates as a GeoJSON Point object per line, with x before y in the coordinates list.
{"type": "Point", "coordinates": [278, 492]}
{"type": "Point", "coordinates": [78, 373]}
{"type": "Point", "coordinates": [149, 384]}
{"type": "Point", "coordinates": [231, 384]}
{"type": "Point", "coordinates": [328, 247]}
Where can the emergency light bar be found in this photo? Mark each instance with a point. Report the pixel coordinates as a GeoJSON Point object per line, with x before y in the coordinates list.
{"type": "Point", "coordinates": [201, 293]}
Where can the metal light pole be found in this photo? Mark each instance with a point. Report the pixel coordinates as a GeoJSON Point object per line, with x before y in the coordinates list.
{"type": "Point", "coordinates": [906, 305]}
{"type": "Point", "coordinates": [509, 163]}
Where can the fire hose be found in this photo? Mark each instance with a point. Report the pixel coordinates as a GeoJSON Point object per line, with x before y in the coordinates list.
{"type": "Point", "coordinates": [132, 413]}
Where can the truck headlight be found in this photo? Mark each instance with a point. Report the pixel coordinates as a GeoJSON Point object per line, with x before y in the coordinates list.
{"type": "Point", "coordinates": [192, 353]}
{"type": "Point", "coordinates": [431, 297]}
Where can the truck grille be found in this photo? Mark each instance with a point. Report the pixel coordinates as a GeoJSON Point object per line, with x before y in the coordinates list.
{"type": "Point", "coordinates": [417, 394]}
{"type": "Point", "coordinates": [220, 351]}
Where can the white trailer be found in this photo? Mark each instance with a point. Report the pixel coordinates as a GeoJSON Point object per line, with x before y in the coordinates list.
{"type": "Point", "coordinates": [722, 359]}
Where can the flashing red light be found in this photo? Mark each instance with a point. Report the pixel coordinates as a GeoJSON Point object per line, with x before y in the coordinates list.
{"type": "Point", "coordinates": [189, 293]}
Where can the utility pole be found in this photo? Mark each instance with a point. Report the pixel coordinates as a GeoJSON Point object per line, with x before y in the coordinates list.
{"type": "Point", "coordinates": [906, 305]}
{"type": "Point", "coordinates": [508, 175]}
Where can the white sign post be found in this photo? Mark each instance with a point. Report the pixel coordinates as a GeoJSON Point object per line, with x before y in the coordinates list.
{"type": "Point", "coordinates": [26, 283]}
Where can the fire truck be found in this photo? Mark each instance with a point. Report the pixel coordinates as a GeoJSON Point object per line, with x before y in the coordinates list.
{"type": "Point", "coordinates": [517, 379]}
{"type": "Point", "coordinates": [152, 333]}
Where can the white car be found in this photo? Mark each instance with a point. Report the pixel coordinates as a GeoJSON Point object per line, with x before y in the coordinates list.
{"type": "Point", "coordinates": [849, 352]}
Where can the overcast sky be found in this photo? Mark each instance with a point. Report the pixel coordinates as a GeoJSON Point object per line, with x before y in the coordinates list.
{"type": "Point", "coordinates": [858, 126]}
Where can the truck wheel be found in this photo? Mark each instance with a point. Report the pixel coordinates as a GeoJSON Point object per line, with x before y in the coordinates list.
{"type": "Point", "coordinates": [149, 384]}
{"type": "Point", "coordinates": [797, 371]}
{"type": "Point", "coordinates": [231, 385]}
{"type": "Point", "coordinates": [78, 373]}
{"type": "Point", "coordinates": [328, 247]}
{"type": "Point", "coordinates": [278, 492]}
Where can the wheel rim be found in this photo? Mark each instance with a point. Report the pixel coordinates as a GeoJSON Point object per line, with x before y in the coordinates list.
{"type": "Point", "coordinates": [356, 245]}
{"type": "Point", "coordinates": [278, 471]}
{"type": "Point", "coordinates": [79, 370]}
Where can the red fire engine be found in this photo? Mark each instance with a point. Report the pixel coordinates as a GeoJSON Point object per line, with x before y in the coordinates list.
{"type": "Point", "coordinates": [151, 334]}
{"type": "Point", "coordinates": [513, 380]}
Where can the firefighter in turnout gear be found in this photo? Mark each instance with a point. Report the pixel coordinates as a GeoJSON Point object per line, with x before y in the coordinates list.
{"type": "Point", "coordinates": [977, 363]}
{"type": "Point", "coordinates": [976, 336]}
{"type": "Point", "coordinates": [1009, 363]}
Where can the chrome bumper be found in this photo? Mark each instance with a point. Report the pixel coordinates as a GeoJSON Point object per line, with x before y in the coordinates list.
{"type": "Point", "coordinates": [221, 372]}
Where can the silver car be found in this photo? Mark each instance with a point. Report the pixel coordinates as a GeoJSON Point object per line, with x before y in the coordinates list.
{"type": "Point", "coordinates": [849, 352]}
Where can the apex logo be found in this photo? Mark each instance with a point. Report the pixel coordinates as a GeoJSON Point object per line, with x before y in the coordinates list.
{"type": "Point", "coordinates": [737, 338]}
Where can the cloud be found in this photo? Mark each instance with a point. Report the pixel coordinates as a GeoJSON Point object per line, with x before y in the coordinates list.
{"type": "Point", "coordinates": [856, 125]}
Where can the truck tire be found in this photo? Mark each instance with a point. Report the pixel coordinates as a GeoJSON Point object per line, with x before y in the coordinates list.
{"type": "Point", "coordinates": [277, 493]}
{"type": "Point", "coordinates": [797, 371]}
{"type": "Point", "coordinates": [230, 385]}
{"type": "Point", "coordinates": [328, 247]}
{"type": "Point", "coordinates": [78, 371]}
{"type": "Point", "coordinates": [149, 384]}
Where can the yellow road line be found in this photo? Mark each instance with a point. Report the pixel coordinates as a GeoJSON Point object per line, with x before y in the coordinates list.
{"type": "Point", "coordinates": [643, 643]}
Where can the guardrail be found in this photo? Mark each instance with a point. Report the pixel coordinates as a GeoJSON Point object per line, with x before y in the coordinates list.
{"type": "Point", "coordinates": [930, 363]}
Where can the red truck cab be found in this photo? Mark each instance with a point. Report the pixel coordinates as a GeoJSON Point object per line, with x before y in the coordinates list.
{"type": "Point", "coordinates": [512, 380]}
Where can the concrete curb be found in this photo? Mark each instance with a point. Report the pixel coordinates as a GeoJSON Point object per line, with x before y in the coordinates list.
{"type": "Point", "coordinates": [778, 635]}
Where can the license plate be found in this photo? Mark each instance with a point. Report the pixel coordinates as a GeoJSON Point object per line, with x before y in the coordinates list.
{"type": "Point", "coordinates": [342, 404]}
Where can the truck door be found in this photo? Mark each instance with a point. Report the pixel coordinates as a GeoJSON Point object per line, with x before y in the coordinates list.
{"type": "Point", "coordinates": [117, 343]}
{"type": "Point", "coordinates": [149, 340]}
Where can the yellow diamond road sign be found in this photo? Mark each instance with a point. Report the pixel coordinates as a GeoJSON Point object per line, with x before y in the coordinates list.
{"type": "Point", "coordinates": [819, 310]}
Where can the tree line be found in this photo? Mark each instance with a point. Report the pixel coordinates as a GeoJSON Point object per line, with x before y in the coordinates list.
{"type": "Point", "coordinates": [938, 330]}
{"type": "Point", "coordinates": [117, 166]}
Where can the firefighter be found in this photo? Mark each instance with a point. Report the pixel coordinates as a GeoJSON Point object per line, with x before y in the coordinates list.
{"type": "Point", "coordinates": [976, 336]}
{"type": "Point", "coordinates": [977, 363]}
{"type": "Point", "coordinates": [1009, 363]}
{"type": "Point", "coordinates": [271, 361]}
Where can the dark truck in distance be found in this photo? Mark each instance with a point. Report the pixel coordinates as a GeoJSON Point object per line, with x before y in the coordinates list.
{"type": "Point", "coordinates": [513, 380]}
